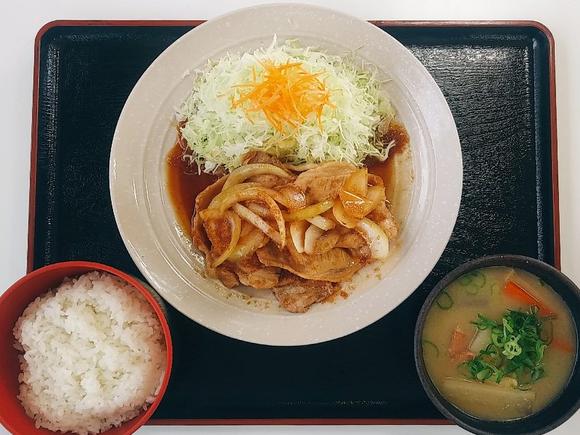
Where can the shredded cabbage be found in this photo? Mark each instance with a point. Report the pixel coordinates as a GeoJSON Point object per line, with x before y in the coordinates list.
{"type": "Point", "coordinates": [219, 135]}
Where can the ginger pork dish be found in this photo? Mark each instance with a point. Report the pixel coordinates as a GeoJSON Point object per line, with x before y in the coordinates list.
{"type": "Point", "coordinates": [283, 172]}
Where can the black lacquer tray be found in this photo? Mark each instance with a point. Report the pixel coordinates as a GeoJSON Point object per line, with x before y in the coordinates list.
{"type": "Point", "coordinates": [498, 78]}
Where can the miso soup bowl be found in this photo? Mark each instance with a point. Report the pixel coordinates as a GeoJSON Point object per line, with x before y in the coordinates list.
{"type": "Point", "coordinates": [561, 408]}
{"type": "Point", "coordinates": [12, 304]}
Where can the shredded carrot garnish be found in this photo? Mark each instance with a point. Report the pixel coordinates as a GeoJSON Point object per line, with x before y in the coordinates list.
{"type": "Point", "coordinates": [286, 95]}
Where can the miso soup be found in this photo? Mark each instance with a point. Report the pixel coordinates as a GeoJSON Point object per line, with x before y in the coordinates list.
{"type": "Point", "coordinates": [499, 343]}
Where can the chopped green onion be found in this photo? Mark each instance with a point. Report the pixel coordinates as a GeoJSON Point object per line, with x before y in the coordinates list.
{"type": "Point", "coordinates": [484, 323]}
{"type": "Point", "coordinates": [444, 300]}
{"type": "Point", "coordinates": [472, 290]}
{"type": "Point", "coordinates": [497, 337]}
{"type": "Point", "coordinates": [479, 279]}
{"type": "Point", "coordinates": [432, 345]}
{"type": "Point", "coordinates": [476, 279]}
{"type": "Point", "coordinates": [517, 348]}
{"type": "Point", "coordinates": [537, 374]}
{"type": "Point", "coordinates": [466, 279]}
{"type": "Point", "coordinates": [473, 282]}
{"type": "Point", "coordinates": [511, 348]}
{"type": "Point", "coordinates": [484, 374]}
{"type": "Point", "coordinates": [507, 326]}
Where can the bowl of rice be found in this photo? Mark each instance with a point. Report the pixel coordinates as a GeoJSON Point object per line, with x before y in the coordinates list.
{"type": "Point", "coordinates": [84, 348]}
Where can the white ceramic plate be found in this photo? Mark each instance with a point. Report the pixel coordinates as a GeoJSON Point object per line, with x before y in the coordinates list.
{"type": "Point", "coordinates": [146, 131]}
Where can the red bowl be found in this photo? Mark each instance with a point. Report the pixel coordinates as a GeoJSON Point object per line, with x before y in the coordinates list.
{"type": "Point", "coordinates": [12, 304]}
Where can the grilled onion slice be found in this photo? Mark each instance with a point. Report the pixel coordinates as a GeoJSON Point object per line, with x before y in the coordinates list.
{"type": "Point", "coordinates": [236, 226]}
{"type": "Point", "coordinates": [312, 234]}
{"type": "Point", "coordinates": [245, 213]}
{"type": "Point", "coordinates": [297, 234]}
{"type": "Point", "coordinates": [242, 173]}
{"type": "Point", "coordinates": [248, 244]}
{"type": "Point", "coordinates": [375, 237]}
{"type": "Point", "coordinates": [342, 217]}
{"type": "Point", "coordinates": [322, 222]}
{"type": "Point", "coordinates": [309, 212]}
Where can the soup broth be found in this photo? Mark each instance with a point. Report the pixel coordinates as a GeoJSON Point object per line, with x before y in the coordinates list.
{"type": "Point", "coordinates": [453, 344]}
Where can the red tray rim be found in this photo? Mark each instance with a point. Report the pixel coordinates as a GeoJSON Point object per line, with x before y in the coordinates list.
{"type": "Point", "coordinates": [380, 23]}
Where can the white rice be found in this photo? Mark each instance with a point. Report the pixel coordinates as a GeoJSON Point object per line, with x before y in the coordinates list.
{"type": "Point", "coordinates": [93, 355]}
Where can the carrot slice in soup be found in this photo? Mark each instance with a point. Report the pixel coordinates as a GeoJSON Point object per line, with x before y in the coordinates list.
{"type": "Point", "coordinates": [561, 345]}
{"type": "Point", "coordinates": [516, 292]}
{"type": "Point", "coordinates": [458, 345]}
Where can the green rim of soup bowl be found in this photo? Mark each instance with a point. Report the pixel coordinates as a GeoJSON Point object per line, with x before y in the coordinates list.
{"type": "Point", "coordinates": [555, 413]}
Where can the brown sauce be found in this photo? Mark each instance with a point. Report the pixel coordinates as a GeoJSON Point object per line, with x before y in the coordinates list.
{"type": "Point", "coordinates": [398, 133]}
{"type": "Point", "coordinates": [184, 184]}
{"type": "Point", "coordinates": [386, 170]}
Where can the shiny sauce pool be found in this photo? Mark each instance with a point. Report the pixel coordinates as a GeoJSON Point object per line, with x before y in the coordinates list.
{"type": "Point", "coordinates": [387, 170]}
{"type": "Point", "coordinates": [184, 182]}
